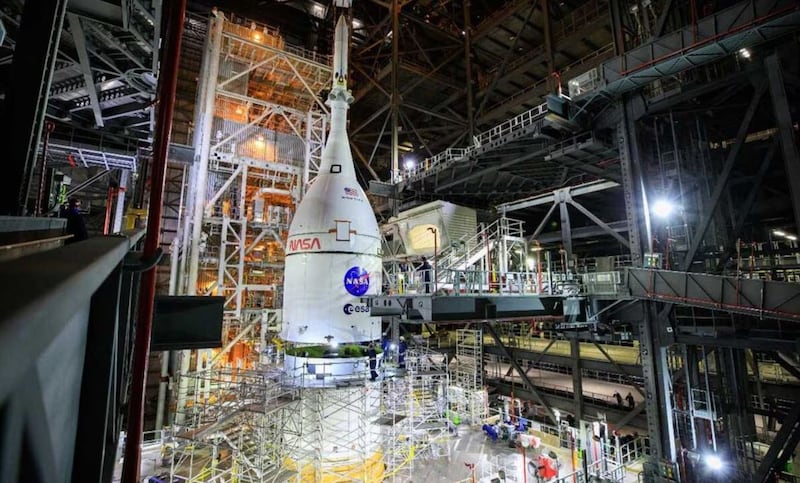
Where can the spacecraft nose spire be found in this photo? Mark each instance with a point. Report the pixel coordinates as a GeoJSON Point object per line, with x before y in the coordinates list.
{"type": "Point", "coordinates": [340, 45]}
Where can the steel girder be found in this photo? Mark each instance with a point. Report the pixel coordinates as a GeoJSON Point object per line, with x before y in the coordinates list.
{"type": "Point", "coordinates": [783, 118]}
{"type": "Point", "coordinates": [715, 36]}
{"type": "Point", "coordinates": [512, 360]}
{"type": "Point", "coordinates": [782, 447]}
{"type": "Point", "coordinates": [562, 399]}
{"type": "Point", "coordinates": [722, 180]}
{"type": "Point", "coordinates": [26, 99]}
{"type": "Point", "coordinates": [758, 298]}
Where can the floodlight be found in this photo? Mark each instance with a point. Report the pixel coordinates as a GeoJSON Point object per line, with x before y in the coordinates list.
{"type": "Point", "coordinates": [663, 208]}
{"type": "Point", "coordinates": [713, 462]}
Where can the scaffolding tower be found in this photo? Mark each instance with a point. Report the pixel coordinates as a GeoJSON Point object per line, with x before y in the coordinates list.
{"type": "Point", "coordinates": [236, 427]}
{"type": "Point", "coordinates": [413, 414]}
{"type": "Point", "coordinates": [259, 131]}
{"type": "Point", "coordinates": [468, 397]}
{"type": "Point", "coordinates": [333, 434]}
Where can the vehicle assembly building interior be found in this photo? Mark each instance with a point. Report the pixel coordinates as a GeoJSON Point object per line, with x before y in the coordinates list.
{"type": "Point", "coordinates": [330, 241]}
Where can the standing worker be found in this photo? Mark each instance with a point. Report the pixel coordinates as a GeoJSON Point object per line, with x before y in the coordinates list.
{"type": "Point", "coordinates": [425, 268]}
{"type": "Point", "coordinates": [373, 362]}
{"type": "Point", "coordinates": [75, 224]}
{"type": "Point", "coordinates": [401, 353]}
{"type": "Point", "coordinates": [618, 397]}
{"type": "Point", "coordinates": [631, 402]}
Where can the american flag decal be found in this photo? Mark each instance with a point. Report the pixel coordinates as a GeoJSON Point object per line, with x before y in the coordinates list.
{"type": "Point", "coordinates": [350, 192]}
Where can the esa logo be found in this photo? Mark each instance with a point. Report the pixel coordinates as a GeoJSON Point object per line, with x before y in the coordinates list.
{"type": "Point", "coordinates": [351, 309]}
{"type": "Point", "coordinates": [356, 281]}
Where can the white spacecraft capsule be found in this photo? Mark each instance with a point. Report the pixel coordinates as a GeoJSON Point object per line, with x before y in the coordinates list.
{"type": "Point", "coordinates": [332, 250]}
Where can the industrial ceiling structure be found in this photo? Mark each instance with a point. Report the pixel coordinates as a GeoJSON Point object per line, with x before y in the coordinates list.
{"type": "Point", "coordinates": [628, 167]}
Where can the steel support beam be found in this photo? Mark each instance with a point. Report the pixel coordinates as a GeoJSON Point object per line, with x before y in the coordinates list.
{"type": "Point", "coordinates": [637, 410]}
{"type": "Point", "coordinates": [395, 100]}
{"type": "Point", "coordinates": [662, 19]}
{"type": "Point", "coordinates": [577, 378]}
{"type": "Point", "coordinates": [26, 97]}
{"type": "Point", "coordinates": [491, 22]}
{"type": "Point", "coordinates": [619, 368]}
{"type": "Point", "coordinates": [786, 133]}
{"type": "Point", "coordinates": [597, 221]}
{"type": "Point", "coordinates": [95, 454]}
{"type": "Point", "coordinates": [782, 447]}
{"type": "Point", "coordinates": [530, 385]}
{"type": "Point", "coordinates": [634, 193]}
{"type": "Point", "coordinates": [79, 39]}
{"type": "Point", "coordinates": [543, 199]}
{"type": "Point", "coordinates": [722, 179]}
{"type": "Point", "coordinates": [544, 221]}
{"type": "Point", "coordinates": [584, 232]}
{"type": "Point", "coordinates": [747, 205]}
{"type": "Point", "coordinates": [787, 363]}
{"type": "Point", "coordinates": [548, 38]}
{"type": "Point", "coordinates": [658, 402]}
{"type": "Point", "coordinates": [754, 297]}
{"type": "Point", "coordinates": [468, 68]}
{"type": "Point", "coordinates": [487, 93]}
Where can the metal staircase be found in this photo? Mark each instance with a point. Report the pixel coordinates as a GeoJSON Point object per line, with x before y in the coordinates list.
{"type": "Point", "coordinates": [463, 254]}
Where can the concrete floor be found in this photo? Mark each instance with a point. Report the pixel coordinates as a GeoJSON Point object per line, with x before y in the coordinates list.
{"type": "Point", "coordinates": [470, 447]}
{"type": "Point", "coordinates": [473, 447]}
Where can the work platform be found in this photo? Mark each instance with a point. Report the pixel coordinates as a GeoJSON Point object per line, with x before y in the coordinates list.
{"type": "Point", "coordinates": [754, 297]}
{"type": "Point", "coordinates": [463, 308]}
{"type": "Point", "coordinates": [764, 299]}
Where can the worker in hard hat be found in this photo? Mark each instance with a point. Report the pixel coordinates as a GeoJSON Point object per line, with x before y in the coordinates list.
{"type": "Point", "coordinates": [373, 361]}
{"type": "Point", "coordinates": [401, 353]}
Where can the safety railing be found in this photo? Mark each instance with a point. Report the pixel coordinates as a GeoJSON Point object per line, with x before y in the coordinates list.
{"type": "Point", "coordinates": [603, 470]}
{"type": "Point", "coordinates": [602, 283]}
{"type": "Point", "coordinates": [91, 157]}
{"type": "Point", "coordinates": [451, 156]}
{"type": "Point", "coordinates": [259, 33]}
{"type": "Point", "coordinates": [66, 337]}
{"type": "Point", "coordinates": [463, 253]}
{"type": "Point", "coordinates": [598, 55]}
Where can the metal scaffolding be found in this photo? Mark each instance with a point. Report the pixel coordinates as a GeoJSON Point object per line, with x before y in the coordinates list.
{"type": "Point", "coordinates": [413, 414]}
{"type": "Point", "coordinates": [468, 397]}
{"type": "Point", "coordinates": [259, 133]}
{"type": "Point", "coordinates": [236, 428]}
{"type": "Point", "coordinates": [333, 435]}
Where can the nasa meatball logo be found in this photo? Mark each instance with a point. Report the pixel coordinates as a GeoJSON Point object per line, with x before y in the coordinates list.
{"type": "Point", "coordinates": [351, 309]}
{"type": "Point", "coordinates": [356, 281]}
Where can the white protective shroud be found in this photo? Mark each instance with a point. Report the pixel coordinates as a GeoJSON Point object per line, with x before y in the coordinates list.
{"type": "Point", "coordinates": [332, 253]}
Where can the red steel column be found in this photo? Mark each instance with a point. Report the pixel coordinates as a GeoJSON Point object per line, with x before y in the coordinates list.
{"type": "Point", "coordinates": [168, 81]}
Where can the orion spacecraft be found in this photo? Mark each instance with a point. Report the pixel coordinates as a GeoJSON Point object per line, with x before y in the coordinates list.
{"type": "Point", "coordinates": [332, 252]}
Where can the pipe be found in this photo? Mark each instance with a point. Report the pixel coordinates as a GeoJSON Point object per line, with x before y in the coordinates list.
{"type": "Point", "coordinates": [167, 85]}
